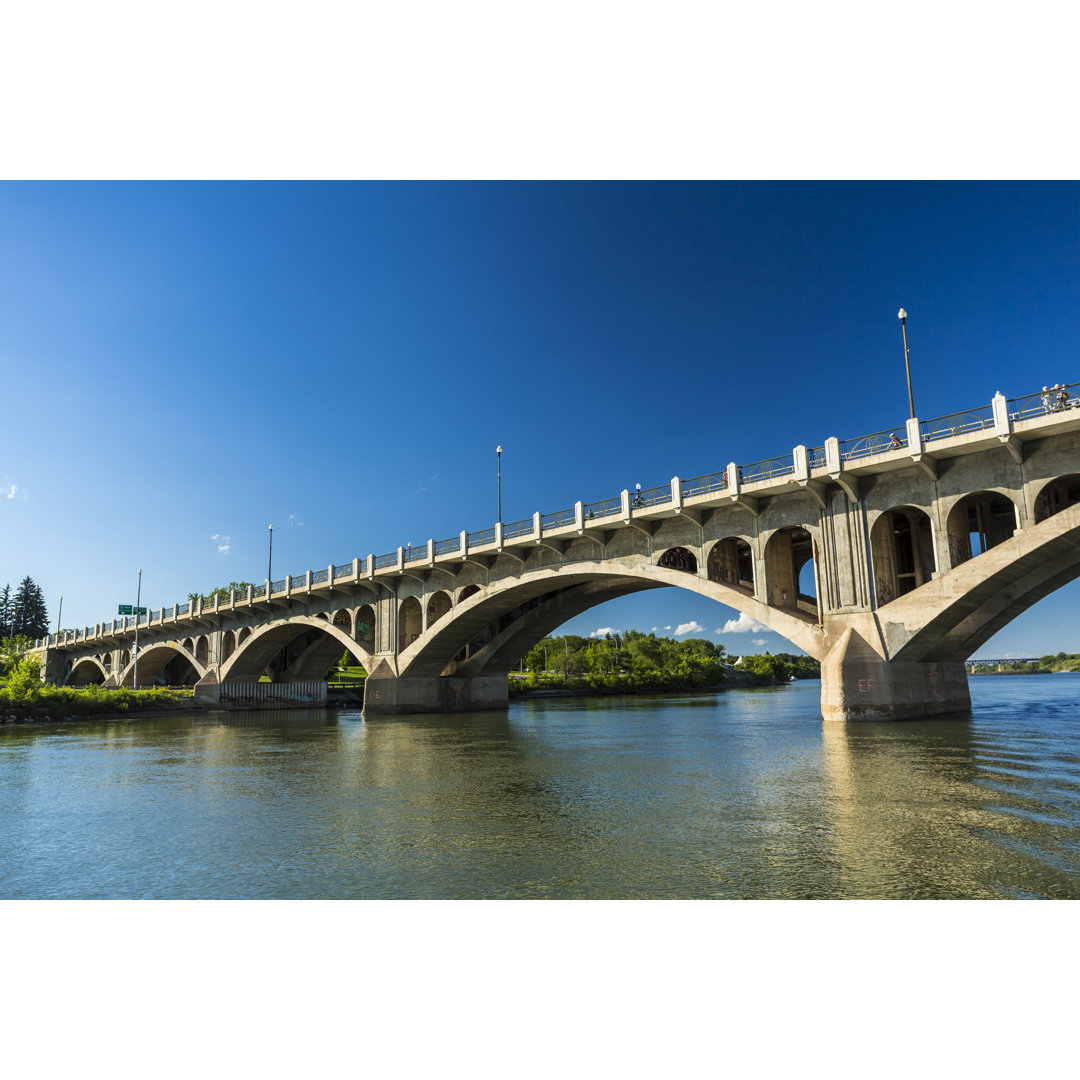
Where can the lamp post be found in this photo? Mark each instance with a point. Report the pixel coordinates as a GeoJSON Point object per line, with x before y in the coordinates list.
{"type": "Point", "coordinates": [902, 316]}
{"type": "Point", "coordinates": [135, 667]}
{"type": "Point", "coordinates": [270, 561]}
{"type": "Point", "coordinates": [498, 452]}
{"type": "Point", "coordinates": [58, 610]}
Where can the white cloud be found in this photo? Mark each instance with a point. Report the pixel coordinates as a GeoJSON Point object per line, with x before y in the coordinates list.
{"type": "Point", "coordinates": [742, 625]}
{"type": "Point", "coordinates": [294, 519]}
{"type": "Point", "coordinates": [667, 627]}
{"type": "Point", "coordinates": [603, 631]}
{"type": "Point", "coordinates": [226, 543]}
{"type": "Point", "coordinates": [759, 641]}
{"type": "Point", "coordinates": [688, 628]}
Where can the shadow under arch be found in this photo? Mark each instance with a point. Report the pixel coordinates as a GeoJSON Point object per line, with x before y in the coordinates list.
{"type": "Point", "coordinates": [971, 602]}
{"type": "Point", "coordinates": [179, 667]}
{"type": "Point", "coordinates": [1057, 495]}
{"type": "Point", "coordinates": [788, 552]}
{"type": "Point", "coordinates": [902, 552]}
{"type": "Point", "coordinates": [731, 562]}
{"type": "Point", "coordinates": [318, 645]}
{"type": "Point", "coordinates": [520, 611]}
{"type": "Point", "coordinates": [978, 522]}
{"type": "Point", "coordinates": [86, 671]}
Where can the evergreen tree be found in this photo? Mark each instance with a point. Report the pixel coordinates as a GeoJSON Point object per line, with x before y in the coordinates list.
{"type": "Point", "coordinates": [31, 615]}
{"type": "Point", "coordinates": [5, 612]}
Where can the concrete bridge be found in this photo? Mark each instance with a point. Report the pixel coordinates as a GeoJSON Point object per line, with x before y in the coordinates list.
{"type": "Point", "coordinates": [890, 558]}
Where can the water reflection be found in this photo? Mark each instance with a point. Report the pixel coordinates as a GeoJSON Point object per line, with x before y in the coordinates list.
{"type": "Point", "coordinates": [738, 794]}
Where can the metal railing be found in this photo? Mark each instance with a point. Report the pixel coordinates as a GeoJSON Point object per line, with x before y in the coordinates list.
{"type": "Point", "coordinates": [944, 427]}
{"type": "Point", "coordinates": [479, 539]}
{"type": "Point", "coordinates": [383, 561]}
{"type": "Point", "coordinates": [448, 547]}
{"type": "Point", "coordinates": [257, 592]}
{"type": "Point", "coordinates": [277, 586]}
{"type": "Point", "coordinates": [603, 508]}
{"type": "Point", "coordinates": [518, 528]}
{"type": "Point", "coordinates": [415, 554]}
{"type": "Point", "coordinates": [559, 520]}
{"type": "Point", "coordinates": [815, 459]}
{"type": "Point", "coordinates": [766, 470]}
{"type": "Point", "coordinates": [1045, 402]}
{"type": "Point", "coordinates": [342, 571]}
{"type": "Point", "coordinates": [868, 445]}
{"type": "Point", "coordinates": [641, 500]}
{"type": "Point", "coordinates": [319, 576]}
{"type": "Point", "coordinates": [702, 485]}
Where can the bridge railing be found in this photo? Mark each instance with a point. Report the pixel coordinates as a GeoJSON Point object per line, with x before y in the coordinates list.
{"type": "Point", "coordinates": [702, 485]}
{"type": "Point", "coordinates": [603, 508]}
{"type": "Point", "coordinates": [321, 576]}
{"type": "Point", "coordinates": [480, 539]}
{"type": "Point", "coordinates": [767, 470]}
{"type": "Point", "coordinates": [518, 528]}
{"type": "Point", "coordinates": [383, 561]}
{"type": "Point", "coordinates": [880, 442]}
{"type": "Point", "coordinates": [343, 571]}
{"type": "Point", "coordinates": [815, 458]}
{"type": "Point", "coordinates": [1045, 402]}
{"type": "Point", "coordinates": [559, 520]}
{"type": "Point", "coordinates": [944, 427]}
{"type": "Point", "coordinates": [416, 554]}
{"type": "Point", "coordinates": [652, 497]}
{"type": "Point", "coordinates": [277, 586]}
{"type": "Point", "coordinates": [258, 591]}
{"type": "Point", "coordinates": [448, 547]}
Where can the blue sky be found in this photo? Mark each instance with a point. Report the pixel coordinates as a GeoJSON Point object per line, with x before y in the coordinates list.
{"type": "Point", "coordinates": [185, 363]}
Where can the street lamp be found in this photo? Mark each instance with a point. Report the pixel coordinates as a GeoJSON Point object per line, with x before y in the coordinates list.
{"type": "Point", "coordinates": [270, 560]}
{"type": "Point", "coordinates": [58, 610]}
{"type": "Point", "coordinates": [498, 451]}
{"type": "Point", "coordinates": [135, 668]}
{"type": "Point", "coordinates": [902, 316]}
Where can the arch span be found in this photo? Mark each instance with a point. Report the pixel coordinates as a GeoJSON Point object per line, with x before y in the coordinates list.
{"type": "Point", "coordinates": [155, 659]}
{"type": "Point", "coordinates": [520, 611]}
{"type": "Point", "coordinates": [86, 671]}
{"type": "Point", "coordinates": [313, 659]}
{"type": "Point", "coordinates": [953, 615]}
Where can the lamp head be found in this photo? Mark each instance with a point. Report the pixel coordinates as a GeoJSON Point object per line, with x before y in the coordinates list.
{"type": "Point", "coordinates": [498, 449]}
{"type": "Point", "coordinates": [901, 314]}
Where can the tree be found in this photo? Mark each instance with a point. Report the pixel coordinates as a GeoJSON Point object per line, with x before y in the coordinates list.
{"type": "Point", "coordinates": [5, 611]}
{"type": "Point", "coordinates": [12, 650]}
{"type": "Point", "coordinates": [31, 615]}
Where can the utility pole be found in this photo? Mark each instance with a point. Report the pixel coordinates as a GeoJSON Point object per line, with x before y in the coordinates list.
{"type": "Point", "coordinates": [135, 669]}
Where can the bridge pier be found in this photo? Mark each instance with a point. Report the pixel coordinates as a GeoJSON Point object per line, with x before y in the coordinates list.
{"type": "Point", "coordinates": [859, 684]}
{"type": "Point", "coordinates": [386, 694]}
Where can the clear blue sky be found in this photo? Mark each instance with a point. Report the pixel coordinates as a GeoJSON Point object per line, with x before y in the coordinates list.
{"type": "Point", "coordinates": [185, 363]}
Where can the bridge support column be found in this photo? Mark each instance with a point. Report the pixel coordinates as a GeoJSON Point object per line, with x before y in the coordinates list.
{"type": "Point", "coordinates": [386, 693]}
{"type": "Point", "coordinates": [858, 684]}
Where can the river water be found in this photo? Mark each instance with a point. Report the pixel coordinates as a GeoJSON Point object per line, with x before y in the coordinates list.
{"type": "Point", "coordinates": [737, 794]}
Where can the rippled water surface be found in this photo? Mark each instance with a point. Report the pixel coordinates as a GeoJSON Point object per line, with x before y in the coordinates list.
{"type": "Point", "coordinates": [744, 793]}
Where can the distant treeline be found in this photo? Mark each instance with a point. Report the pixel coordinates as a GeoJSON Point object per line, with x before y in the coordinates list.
{"type": "Point", "coordinates": [1061, 662]}
{"type": "Point", "coordinates": [631, 661]}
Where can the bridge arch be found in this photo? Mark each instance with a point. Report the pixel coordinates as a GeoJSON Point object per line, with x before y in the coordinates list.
{"type": "Point", "coordinates": [364, 628]}
{"type": "Point", "coordinates": [491, 630]}
{"type": "Point", "coordinates": [410, 621]}
{"type": "Point", "coordinates": [731, 562]}
{"type": "Point", "coordinates": [164, 664]}
{"type": "Point", "coordinates": [228, 644]}
{"type": "Point", "coordinates": [438, 605]}
{"type": "Point", "coordinates": [343, 620]}
{"type": "Point", "coordinates": [791, 567]}
{"type": "Point", "coordinates": [87, 671]}
{"type": "Point", "coordinates": [679, 558]}
{"type": "Point", "coordinates": [978, 522]}
{"type": "Point", "coordinates": [1057, 495]}
{"type": "Point", "coordinates": [202, 650]}
{"type": "Point", "coordinates": [316, 646]}
{"type": "Point", "coordinates": [901, 551]}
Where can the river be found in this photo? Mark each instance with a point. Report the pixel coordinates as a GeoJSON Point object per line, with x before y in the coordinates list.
{"type": "Point", "coordinates": [743, 793]}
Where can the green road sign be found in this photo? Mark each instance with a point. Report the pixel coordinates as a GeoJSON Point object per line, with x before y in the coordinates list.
{"type": "Point", "coordinates": [124, 609]}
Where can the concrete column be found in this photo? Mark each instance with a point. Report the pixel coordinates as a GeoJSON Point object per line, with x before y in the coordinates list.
{"type": "Point", "coordinates": [832, 456]}
{"type": "Point", "coordinates": [400, 558]}
{"type": "Point", "coordinates": [536, 525]}
{"type": "Point", "coordinates": [579, 516]}
{"type": "Point", "coordinates": [858, 684]}
{"type": "Point", "coordinates": [732, 478]}
{"type": "Point", "coordinates": [625, 500]}
{"type": "Point", "coordinates": [1002, 423]}
{"type": "Point", "coordinates": [307, 580]}
{"type": "Point", "coordinates": [431, 552]}
{"type": "Point", "coordinates": [288, 584]}
{"type": "Point", "coordinates": [914, 436]}
{"type": "Point", "coordinates": [387, 694]}
{"type": "Point", "coordinates": [676, 493]}
{"type": "Point", "coordinates": [498, 535]}
{"type": "Point", "coordinates": [371, 566]}
{"type": "Point", "coordinates": [801, 460]}
{"type": "Point", "coordinates": [464, 543]}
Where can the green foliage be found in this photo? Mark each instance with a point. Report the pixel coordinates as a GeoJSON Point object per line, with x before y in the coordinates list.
{"type": "Point", "coordinates": [24, 614]}
{"type": "Point", "coordinates": [12, 650]}
{"type": "Point", "coordinates": [24, 682]}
